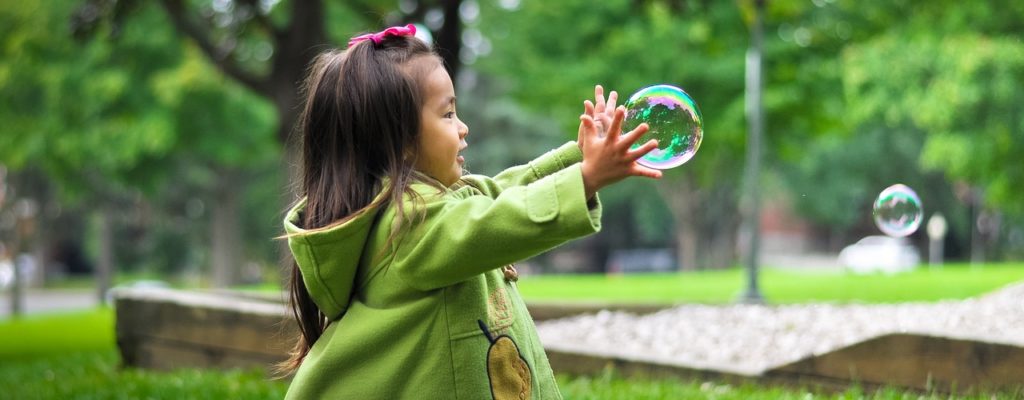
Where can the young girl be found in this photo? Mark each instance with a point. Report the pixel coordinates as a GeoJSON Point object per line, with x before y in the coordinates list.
{"type": "Point", "coordinates": [403, 285]}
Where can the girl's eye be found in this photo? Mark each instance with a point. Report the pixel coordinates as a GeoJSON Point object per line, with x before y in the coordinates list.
{"type": "Point", "coordinates": [449, 114]}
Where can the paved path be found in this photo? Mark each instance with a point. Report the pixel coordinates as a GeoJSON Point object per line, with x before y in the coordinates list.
{"type": "Point", "coordinates": [50, 300]}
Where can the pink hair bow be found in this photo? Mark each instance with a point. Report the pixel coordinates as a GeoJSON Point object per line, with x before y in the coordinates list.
{"type": "Point", "coordinates": [408, 30]}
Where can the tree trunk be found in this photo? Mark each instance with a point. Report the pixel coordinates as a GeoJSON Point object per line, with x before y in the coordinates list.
{"type": "Point", "coordinates": [719, 239]}
{"type": "Point", "coordinates": [686, 245]}
{"type": "Point", "coordinates": [706, 223]}
{"type": "Point", "coordinates": [17, 283]}
{"type": "Point", "coordinates": [105, 262]}
{"type": "Point", "coordinates": [682, 199]}
{"type": "Point", "coordinates": [449, 39]}
{"type": "Point", "coordinates": [225, 230]}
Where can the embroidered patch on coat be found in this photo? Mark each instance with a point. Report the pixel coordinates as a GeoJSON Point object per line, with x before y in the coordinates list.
{"type": "Point", "coordinates": [508, 372]}
{"type": "Point", "coordinates": [499, 309]}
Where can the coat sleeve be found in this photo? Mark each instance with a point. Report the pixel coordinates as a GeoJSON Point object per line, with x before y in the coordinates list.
{"type": "Point", "coordinates": [459, 238]}
{"type": "Point", "coordinates": [547, 164]}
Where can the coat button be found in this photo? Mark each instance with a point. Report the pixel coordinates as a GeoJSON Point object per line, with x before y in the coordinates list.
{"type": "Point", "coordinates": [511, 275]}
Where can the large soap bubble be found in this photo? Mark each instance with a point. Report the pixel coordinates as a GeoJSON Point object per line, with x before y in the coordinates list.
{"type": "Point", "coordinates": [673, 118]}
{"type": "Point", "coordinates": [897, 211]}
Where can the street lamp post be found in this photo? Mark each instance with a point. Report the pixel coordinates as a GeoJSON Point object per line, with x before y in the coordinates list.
{"type": "Point", "coordinates": [755, 119]}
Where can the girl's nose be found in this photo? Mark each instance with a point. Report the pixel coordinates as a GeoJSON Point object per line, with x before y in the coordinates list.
{"type": "Point", "coordinates": [463, 129]}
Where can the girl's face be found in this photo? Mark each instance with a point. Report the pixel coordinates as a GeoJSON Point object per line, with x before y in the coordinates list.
{"type": "Point", "coordinates": [442, 134]}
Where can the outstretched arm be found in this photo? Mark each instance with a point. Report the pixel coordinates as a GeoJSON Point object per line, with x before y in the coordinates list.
{"type": "Point", "coordinates": [547, 164]}
{"type": "Point", "coordinates": [462, 235]}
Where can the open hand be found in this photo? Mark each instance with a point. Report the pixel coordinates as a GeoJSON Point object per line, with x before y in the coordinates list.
{"type": "Point", "coordinates": [607, 157]}
{"type": "Point", "coordinates": [601, 111]}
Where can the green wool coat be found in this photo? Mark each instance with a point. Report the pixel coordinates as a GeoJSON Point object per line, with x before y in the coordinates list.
{"type": "Point", "coordinates": [430, 315]}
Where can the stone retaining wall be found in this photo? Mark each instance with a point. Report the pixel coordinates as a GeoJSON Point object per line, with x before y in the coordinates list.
{"type": "Point", "coordinates": [916, 361]}
{"type": "Point", "coordinates": [164, 329]}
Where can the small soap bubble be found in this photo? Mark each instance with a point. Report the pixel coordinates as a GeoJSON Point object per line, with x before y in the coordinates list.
{"type": "Point", "coordinates": [674, 120]}
{"type": "Point", "coordinates": [897, 211]}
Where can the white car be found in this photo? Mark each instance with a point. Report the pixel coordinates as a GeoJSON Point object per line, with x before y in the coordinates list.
{"type": "Point", "coordinates": [879, 254]}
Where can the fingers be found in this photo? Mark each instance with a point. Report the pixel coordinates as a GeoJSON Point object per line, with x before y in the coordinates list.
{"type": "Point", "coordinates": [588, 108]}
{"type": "Point", "coordinates": [615, 129]}
{"type": "Point", "coordinates": [612, 98]}
{"type": "Point", "coordinates": [599, 97]}
{"type": "Point", "coordinates": [632, 136]}
{"type": "Point", "coordinates": [640, 170]}
{"type": "Point", "coordinates": [635, 154]}
{"type": "Point", "coordinates": [581, 135]}
{"type": "Point", "coordinates": [602, 120]}
{"type": "Point", "coordinates": [587, 126]}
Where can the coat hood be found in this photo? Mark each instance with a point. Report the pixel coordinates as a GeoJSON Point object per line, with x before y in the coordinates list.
{"type": "Point", "coordinates": [329, 258]}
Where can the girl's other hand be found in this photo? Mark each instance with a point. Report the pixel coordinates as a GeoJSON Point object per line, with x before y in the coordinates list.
{"type": "Point", "coordinates": [601, 111]}
{"type": "Point", "coordinates": [607, 157]}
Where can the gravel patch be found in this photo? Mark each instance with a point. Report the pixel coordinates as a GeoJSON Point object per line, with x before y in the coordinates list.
{"type": "Point", "coordinates": [749, 339]}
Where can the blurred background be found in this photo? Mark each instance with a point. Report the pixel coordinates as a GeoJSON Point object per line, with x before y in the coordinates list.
{"type": "Point", "coordinates": [148, 144]}
{"type": "Point", "coordinates": [150, 140]}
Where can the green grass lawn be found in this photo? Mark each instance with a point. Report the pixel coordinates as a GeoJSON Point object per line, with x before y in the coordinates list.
{"type": "Point", "coordinates": [72, 356]}
{"type": "Point", "coordinates": [777, 285]}
{"type": "Point", "coordinates": [50, 334]}
{"type": "Point", "coordinates": [96, 375]}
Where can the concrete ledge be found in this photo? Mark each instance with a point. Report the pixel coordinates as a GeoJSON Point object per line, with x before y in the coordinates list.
{"type": "Point", "coordinates": [579, 363]}
{"type": "Point", "coordinates": [916, 361]}
{"type": "Point", "coordinates": [920, 362]}
{"type": "Point", "coordinates": [164, 329]}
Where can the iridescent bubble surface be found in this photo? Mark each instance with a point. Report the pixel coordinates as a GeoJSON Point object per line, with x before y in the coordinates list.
{"type": "Point", "coordinates": [673, 118]}
{"type": "Point", "coordinates": [898, 211]}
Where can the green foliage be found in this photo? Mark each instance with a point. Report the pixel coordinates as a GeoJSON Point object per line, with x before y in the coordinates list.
{"type": "Point", "coordinates": [858, 96]}
{"type": "Point", "coordinates": [132, 116]}
{"type": "Point", "coordinates": [80, 110]}
{"type": "Point", "coordinates": [551, 57]}
{"type": "Point", "coordinates": [218, 123]}
{"type": "Point", "coordinates": [963, 90]}
{"type": "Point", "coordinates": [116, 109]}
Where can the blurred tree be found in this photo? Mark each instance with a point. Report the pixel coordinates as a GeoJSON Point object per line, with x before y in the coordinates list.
{"type": "Point", "coordinates": [833, 169]}
{"type": "Point", "coordinates": [841, 122]}
{"type": "Point", "coordinates": [963, 90]}
{"type": "Point", "coordinates": [225, 132]}
{"type": "Point", "coordinates": [266, 47]}
{"type": "Point", "coordinates": [953, 72]}
{"type": "Point", "coordinates": [79, 112]}
{"type": "Point", "coordinates": [550, 58]}
{"type": "Point", "coordinates": [834, 145]}
{"type": "Point", "coordinates": [115, 123]}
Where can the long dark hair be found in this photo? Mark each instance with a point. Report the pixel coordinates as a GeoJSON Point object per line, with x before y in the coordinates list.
{"type": "Point", "coordinates": [360, 125]}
